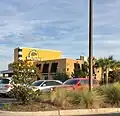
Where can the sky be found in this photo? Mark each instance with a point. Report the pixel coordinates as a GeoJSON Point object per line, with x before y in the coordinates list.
{"type": "Point", "coordinates": [59, 25]}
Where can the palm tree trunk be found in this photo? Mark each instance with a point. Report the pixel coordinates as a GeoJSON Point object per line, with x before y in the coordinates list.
{"type": "Point", "coordinates": [107, 72]}
{"type": "Point", "coordinates": [102, 76]}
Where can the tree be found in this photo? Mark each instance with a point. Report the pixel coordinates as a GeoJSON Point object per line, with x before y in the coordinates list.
{"type": "Point", "coordinates": [84, 72]}
{"type": "Point", "coordinates": [85, 68]}
{"type": "Point", "coordinates": [79, 73]}
{"type": "Point", "coordinates": [23, 76]}
{"type": "Point", "coordinates": [106, 64]}
{"type": "Point", "coordinates": [10, 66]}
{"type": "Point", "coordinates": [116, 65]}
{"type": "Point", "coordinates": [115, 76]}
{"type": "Point", "coordinates": [23, 73]}
{"type": "Point", "coordinates": [61, 76]}
{"type": "Point", "coordinates": [101, 64]}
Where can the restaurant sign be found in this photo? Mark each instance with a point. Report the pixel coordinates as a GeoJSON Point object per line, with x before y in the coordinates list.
{"type": "Point", "coordinates": [33, 55]}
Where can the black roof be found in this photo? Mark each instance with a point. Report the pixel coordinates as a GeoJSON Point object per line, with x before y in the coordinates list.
{"type": "Point", "coordinates": [6, 71]}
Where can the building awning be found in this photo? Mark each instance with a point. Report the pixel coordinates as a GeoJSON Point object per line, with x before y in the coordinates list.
{"type": "Point", "coordinates": [6, 71]}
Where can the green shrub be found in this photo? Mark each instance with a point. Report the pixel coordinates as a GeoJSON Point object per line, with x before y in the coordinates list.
{"type": "Point", "coordinates": [112, 94]}
{"type": "Point", "coordinates": [43, 97]}
{"type": "Point", "coordinates": [23, 94]}
{"type": "Point", "coordinates": [24, 75]}
{"type": "Point", "coordinates": [7, 106]}
{"type": "Point", "coordinates": [75, 97]}
{"type": "Point", "coordinates": [59, 97]}
{"type": "Point", "coordinates": [61, 76]}
{"type": "Point", "coordinates": [87, 99]}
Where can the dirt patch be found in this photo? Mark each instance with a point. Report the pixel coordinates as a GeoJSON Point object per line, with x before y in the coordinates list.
{"type": "Point", "coordinates": [36, 106]}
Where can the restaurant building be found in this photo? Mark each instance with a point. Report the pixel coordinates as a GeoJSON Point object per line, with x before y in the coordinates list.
{"type": "Point", "coordinates": [49, 62]}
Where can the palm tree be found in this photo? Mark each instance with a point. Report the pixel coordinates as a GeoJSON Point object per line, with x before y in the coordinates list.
{"type": "Point", "coordinates": [106, 64]}
{"type": "Point", "coordinates": [116, 65]}
{"type": "Point", "coordinates": [85, 68]}
{"type": "Point", "coordinates": [101, 64]}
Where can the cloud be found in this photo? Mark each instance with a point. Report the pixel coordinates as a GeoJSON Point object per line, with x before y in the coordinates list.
{"type": "Point", "coordinates": [60, 25]}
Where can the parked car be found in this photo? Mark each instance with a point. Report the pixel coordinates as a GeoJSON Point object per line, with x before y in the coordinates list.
{"type": "Point", "coordinates": [80, 83]}
{"type": "Point", "coordinates": [5, 85]}
{"type": "Point", "coordinates": [45, 85]}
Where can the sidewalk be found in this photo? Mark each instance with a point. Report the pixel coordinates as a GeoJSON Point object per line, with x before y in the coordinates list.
{"type": "Point", "coordinates": [62, 112]}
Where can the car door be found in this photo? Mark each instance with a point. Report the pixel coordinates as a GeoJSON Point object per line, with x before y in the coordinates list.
{"type": "Point", "coordinates": [49, 84]}
{"type": "Point", "coordinates": [86, 84]}
{"type": "Point", "coordinates": [46, 85]}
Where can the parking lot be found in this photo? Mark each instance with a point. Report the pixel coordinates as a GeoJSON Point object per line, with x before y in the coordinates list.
{"type": "Point", "coordinates": [6, 100]}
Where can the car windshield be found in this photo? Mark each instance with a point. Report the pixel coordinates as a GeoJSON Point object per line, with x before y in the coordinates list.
{"type": "Point", "coordinates": [4, 81]}
{"type": "Point", "coordinates": [71, 82]}
{"type": "Point", "coordinates": [37, 83]}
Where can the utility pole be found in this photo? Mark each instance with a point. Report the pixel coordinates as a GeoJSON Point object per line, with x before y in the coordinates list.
{"type": "Point", "coordinates": [90, 46]}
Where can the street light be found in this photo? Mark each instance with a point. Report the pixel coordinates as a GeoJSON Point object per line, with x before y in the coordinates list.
{"type": "Point", "coordinates": [90, 46]}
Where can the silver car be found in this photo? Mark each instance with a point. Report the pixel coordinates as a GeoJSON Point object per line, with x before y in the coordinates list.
{"type": "Point", "coordinates": [5, 85]}
{"type": "Point", "coordinates": [45, 85]}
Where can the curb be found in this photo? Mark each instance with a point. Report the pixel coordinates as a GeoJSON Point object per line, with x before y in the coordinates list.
{"type": "Point", "coordinates": [63, 112]}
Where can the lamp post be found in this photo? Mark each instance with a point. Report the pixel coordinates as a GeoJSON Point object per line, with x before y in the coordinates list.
{"type": "Point", "coordinates": [90, 46]}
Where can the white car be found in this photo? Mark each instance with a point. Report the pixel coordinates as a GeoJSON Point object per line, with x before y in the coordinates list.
{"type": "Point", "coordinates": [45, 85]}
{"type": "Point", "coordinates": [5, 85]}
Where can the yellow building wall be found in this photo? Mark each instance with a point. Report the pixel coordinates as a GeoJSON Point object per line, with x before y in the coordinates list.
{"type": "Point", "coordinates": [64, 65]}
{"type": "Point", "coordinates": [61, 66]}
{"type": "Point", "coordinates": [42, 54]}
{"type": "Point", "coordinates": [70, 65]}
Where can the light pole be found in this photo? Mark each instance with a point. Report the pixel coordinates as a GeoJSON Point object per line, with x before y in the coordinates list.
{"type": "Point", "coordinates": [90, 46]}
